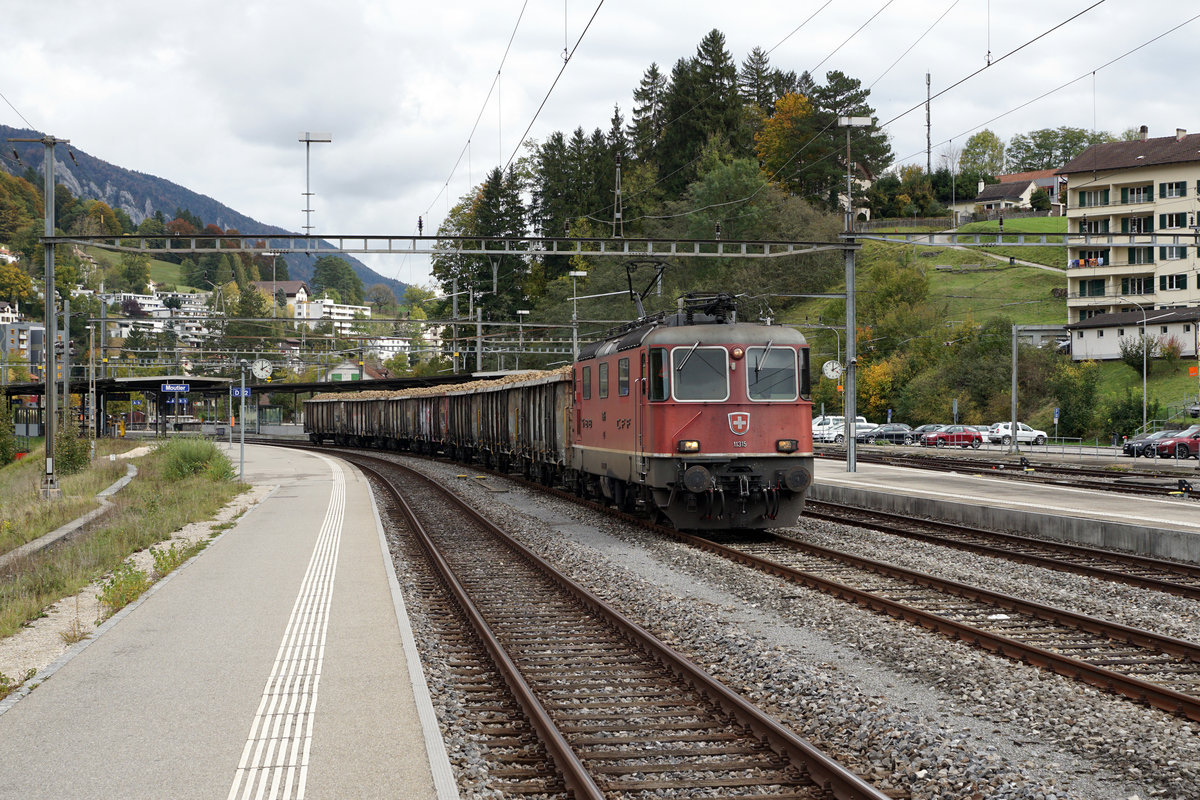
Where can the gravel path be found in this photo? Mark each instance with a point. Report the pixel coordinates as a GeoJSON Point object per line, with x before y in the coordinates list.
{"type": "Point", "coordinates": [910, 709]}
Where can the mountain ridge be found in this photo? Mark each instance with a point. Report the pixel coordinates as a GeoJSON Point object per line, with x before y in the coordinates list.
{"type": "Point", "coordinates": [140, 195]}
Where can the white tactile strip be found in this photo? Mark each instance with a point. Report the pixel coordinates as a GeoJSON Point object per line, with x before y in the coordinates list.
{"type": "Point", "coordinates": [274, 762]}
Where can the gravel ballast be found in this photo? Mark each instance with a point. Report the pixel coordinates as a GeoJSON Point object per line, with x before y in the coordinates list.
{"type": "Point", "coordinates": [909, 709]}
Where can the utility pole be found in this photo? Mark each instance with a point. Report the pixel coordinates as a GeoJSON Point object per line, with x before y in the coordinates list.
{"type": "Point", "coordinates": [66, 359]}
{"type": "Point", "coordinates": [49, 487]}
{"type": "Point", "coordinates": [928, 132]}
{"type": "Point", "coordinates": [618, 226]}
{"type": "Point", "coordinates": [308, 138]}
{"type": "Point", "coordinates": [850, 396]}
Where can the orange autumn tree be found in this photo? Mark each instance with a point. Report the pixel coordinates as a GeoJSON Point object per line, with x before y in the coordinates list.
{"type": "Point", "coordinates": [788, 141]}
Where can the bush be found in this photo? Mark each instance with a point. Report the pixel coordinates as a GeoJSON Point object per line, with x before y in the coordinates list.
{"type": "Point", "coordinates": [8, 438]}
{"type": "Point", "coordinates": [189, 456]}
{"type": "Point", "coordinates": [125, 585]}
{"type": "Point", "coordinates": [72, 452]}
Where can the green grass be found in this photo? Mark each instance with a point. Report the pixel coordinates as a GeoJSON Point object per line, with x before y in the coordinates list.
{"type": "Point", "coordinates": [160, 271]}
{"type": "Point", "coordinates": [146, 512]}
{"type": "Point", "coordinates": [1019, 225]}
{"type": "Point", "coordinates": [1051, 256]}
{"type": "Point", "coordinates": [1174, 390]}
{"type": "Point", "coordinates": [24, 516]}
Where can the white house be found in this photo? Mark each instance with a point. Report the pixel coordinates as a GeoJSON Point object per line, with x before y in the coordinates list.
{"type": "Point", "coordinates": [1100, 337]}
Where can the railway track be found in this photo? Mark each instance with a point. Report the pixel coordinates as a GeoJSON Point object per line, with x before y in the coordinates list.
{"type": "Point", "coordinates": [616, 713]}
{"type": "Point", "coordinates": [1149, 573]}
{"type": "Point", "coordinates": [1159, 670]}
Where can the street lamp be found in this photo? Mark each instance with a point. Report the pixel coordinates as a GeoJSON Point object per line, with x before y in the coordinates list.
{"type": "Point", "coordinates": [522, 313]}
{"type": "Point", "coordinates": [575, 312]}
{"type": "Point", "coordinates": [308, 138]}
{"type": "Point", "coordinates": [1144, 348]}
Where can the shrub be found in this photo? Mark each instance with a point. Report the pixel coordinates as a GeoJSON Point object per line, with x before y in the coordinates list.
{"type": "Point", "coordinates": [189, 456]}
{"type": "Point", "coordinates": [125, 585]}
{"type": "Point", "coordinates": [71, 451]}
{"type": "Point", "coordinates": [8, 438]}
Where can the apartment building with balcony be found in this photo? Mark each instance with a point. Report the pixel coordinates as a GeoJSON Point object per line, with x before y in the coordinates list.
{"type": "Point", "coordinates": [1136, 205]}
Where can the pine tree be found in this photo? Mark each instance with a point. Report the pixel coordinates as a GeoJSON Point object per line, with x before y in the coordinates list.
{"type": "Point", "coordinates": [646, 126]}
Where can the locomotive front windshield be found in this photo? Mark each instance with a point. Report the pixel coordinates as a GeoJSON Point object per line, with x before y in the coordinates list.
{"type": "Point", "coordinates": [771, 373]}
{"type": "Point", "coordinates": [701, 373]}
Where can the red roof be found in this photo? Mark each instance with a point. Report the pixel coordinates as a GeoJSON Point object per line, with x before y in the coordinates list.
{"type": "Point", "coordinates": [1027, 176]}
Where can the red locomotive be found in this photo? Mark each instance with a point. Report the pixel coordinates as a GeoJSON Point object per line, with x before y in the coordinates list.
{"type": "Point", "coordinates": [692, 417]}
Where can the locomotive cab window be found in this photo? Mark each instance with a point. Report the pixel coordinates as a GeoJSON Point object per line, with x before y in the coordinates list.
{"type": "Point", "coordinates": [623, 377]}
{"type": "Point", "coordinates": [660, 374]}
{"type": "Point", "coordinates": [701, 373]}
{"type": "Point", "coordinates": [586, 380]}
{"type": "Point", "coordinates": [771, 373]}
{"type": "Point", "coordinates": [603, 379]}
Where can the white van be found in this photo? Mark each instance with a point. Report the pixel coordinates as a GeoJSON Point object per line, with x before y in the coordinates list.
{"type": "Point", "coordinates": [824, 425]}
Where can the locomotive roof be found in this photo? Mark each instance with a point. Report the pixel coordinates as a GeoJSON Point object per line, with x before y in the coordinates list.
{"type": "Point", "coordinates": [744, 333]}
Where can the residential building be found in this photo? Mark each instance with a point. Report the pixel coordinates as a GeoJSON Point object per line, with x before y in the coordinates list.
{"type": "Point", "coordinates": [9, 312]}
{"type": "Point", "coordinates": [297, 292]}
{"type": "Point", "coordinates": [1100, 337]}
{"type": "Point", "coordinates": [1135, 202]}
{"type": "Point", "coordinates": [342, 314]}
{"type": "Point", "coordinates": [1000, 196]}
{"type": "Point", "coordinates": [1046, 179]}
{"type": "Point", "coordinates": [25, 343]}
{"type": "Point", "coordinates": [386, 347]}
{"type": "Point", "coordinates": [352, 371]}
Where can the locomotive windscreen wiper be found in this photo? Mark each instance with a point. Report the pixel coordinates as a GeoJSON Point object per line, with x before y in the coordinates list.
{"type": "Point", "coordinates": [689, 355]}
{"type": "Point", "coordinates": [763, 358]}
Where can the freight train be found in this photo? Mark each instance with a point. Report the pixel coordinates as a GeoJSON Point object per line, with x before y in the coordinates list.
{"type": "Point", "coordinates": [691, 417]}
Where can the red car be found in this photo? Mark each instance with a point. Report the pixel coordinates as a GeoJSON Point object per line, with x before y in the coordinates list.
{"type": "Point", "coordinates": [1185, 444]}
{"type": "Point", "coordinates": [960, 435]}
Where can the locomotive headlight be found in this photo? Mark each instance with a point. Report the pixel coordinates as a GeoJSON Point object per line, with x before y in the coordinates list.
{"type": "Point", "coordinates": [688, 446]}
{"type": "Point", "coordinates": [786, 445]}
{"type": "Point", "coordinates": [737, 353]}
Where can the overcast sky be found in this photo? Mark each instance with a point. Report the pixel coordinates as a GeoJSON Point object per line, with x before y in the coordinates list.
{"type": "Point", "coordinates": [214, 95]}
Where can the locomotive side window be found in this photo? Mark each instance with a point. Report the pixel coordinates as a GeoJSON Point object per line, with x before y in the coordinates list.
{"type": "Point", "coordinates": [623, 377]}
{"type": "Point", "coordinates": [771, 373]}
{"type": "Point", "coordinates": [701, 373]}
{"type": "Point", "coordinates": [660, 375]}
{"type": "Point", "coordinates": [587, 383]}
{"type": "Point", "coordinates": [603, 380]}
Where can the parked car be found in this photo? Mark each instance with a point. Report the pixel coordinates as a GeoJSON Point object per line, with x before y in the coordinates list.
{"type": "Point", "coordinates": [1144, 443]}
{"type": "Point", "coordinates": [1185, 444]}
{"type": "Point", "coordinates": [830, 421]}
{"type": "Point", "coordinates": [919, 432]}
{"type": "Point", "coordinates": [957, 435]}
{"type": "Point", "coordinates": [863, 433]}
{"type": "Point", "coordinates": [1001, 433]}
{"type": "Point", "coordinates": [835, 434]}
{"type": "Point", "coordinates": [893, 432]}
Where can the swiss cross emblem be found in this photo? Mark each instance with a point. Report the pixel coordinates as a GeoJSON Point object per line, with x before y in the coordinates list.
{"type": "Point", "coordinates": [739, 422]}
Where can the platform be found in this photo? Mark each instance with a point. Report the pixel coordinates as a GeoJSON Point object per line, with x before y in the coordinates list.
{"type": "Point", "coordinates": [277, 663]}
{"type": "Point", "coordinates": [1162, 527]}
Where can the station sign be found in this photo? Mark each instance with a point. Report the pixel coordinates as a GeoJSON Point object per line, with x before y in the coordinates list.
{"type": "Point", "coordinates": [237, 391]}
{"type": "Point", "coordinates": [176, 387]}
